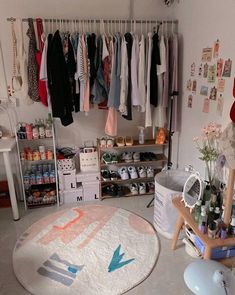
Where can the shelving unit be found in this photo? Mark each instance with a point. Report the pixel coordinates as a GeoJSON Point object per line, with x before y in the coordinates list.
{"type": "Point", "coordinates": [47, 192]}
{"type": "Point", "coordinates": [149, 146]}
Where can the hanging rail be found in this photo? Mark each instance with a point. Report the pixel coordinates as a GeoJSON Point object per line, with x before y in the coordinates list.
{"type": "Point", "coordinates": [101, 20]}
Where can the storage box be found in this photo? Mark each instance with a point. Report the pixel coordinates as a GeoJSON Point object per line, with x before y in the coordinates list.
{"type": "Point", "coordinates": [91, 190]}
{"type": "Point", "coordinates": [216, 253]}
{"type": "Point", "coordinates": [88, 176]}
{"type": "Point", "coordinates": [88, 160]}
{"type": "Point", "coordinates": [74, 196]}
{"type": "Point", "coordinates": [67, 180]}
{"type": "Point", "coordinates": [66, 164]}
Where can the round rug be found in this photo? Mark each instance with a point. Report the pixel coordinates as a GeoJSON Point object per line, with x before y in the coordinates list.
{"type": "Point", "coordinates": [86, 250]}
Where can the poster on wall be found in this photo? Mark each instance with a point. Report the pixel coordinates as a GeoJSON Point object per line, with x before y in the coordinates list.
{"type": "Point", "coordinates": [189, 85]}
{"type": "Point", "coordinates": [221, 85]}
{"type": "Point", "coordinates": [206, 54]}
{"type": "Point", "coordinates": [204, 90]}
{"type": "Point", "coordinates": [193, 68]}
{"type": "Point", "coordinates": [194, 86]}
{"type": "Point", "coordinates": [220, 63]}
{"type": "Point", "coordinates": [227, 68]}
{"type": "Point", "coordinates": [211, 74]}
{"type": "Point", "coordinates": [205, 70]}
{"type": "Point", "coordinates": [213, 93]}
{"type": "Point", "coordinates": [220, 105]}
{"type": "Point", "coordinates": [206, 105]}
{"type": "Point", "coordinates": [190, 101]}
{"type": "Point", "coordinates": [216, 49]}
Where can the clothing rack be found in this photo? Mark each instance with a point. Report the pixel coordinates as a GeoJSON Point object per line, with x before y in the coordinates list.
{"type": "Point", "coordinates": [138, 21]}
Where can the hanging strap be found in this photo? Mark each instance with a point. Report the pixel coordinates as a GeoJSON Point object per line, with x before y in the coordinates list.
{"type": "Point", "coordinates": [39, 33]}
{"type": "Point", "coordinates": [14, 49]}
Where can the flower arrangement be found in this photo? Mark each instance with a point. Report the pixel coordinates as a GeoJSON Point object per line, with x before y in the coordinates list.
{"type": "Point", "coordinates": [209, 148]}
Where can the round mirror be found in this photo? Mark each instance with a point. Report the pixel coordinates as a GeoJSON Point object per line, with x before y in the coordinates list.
{"type": "Point", "coordinates": [193, 190]}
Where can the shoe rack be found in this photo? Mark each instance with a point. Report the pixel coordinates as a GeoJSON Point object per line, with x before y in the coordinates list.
{"type": "Point", "coordinates": [149, 146]}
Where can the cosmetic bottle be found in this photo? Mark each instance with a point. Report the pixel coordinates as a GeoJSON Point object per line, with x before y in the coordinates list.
{"type": "Point", "coordinates": [212, 230]}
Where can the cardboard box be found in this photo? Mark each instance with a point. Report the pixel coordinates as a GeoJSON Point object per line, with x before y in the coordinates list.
{"type": "Point", "coordinates": [74, 196]}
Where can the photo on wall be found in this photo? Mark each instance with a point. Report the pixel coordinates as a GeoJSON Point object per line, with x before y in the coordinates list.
{"type": "Point", "coordinates": [206, 54]}
{"type": "Point", "coordinates": [204, 90]}
{"type": "Point", "coordinates": [190, 101]}
{"type": "Point", "coordinates": [220, 64]}
{"type": "Point", "coordinates": [227, 68]}
{"type": "Point", "coordinates": [213, 93]}
{"type": "Point", "coordinates": [206, 105]}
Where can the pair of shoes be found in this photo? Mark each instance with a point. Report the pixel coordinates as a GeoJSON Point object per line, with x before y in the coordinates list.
{"type": "Point", "coordinates": [145, 171]}
{"type": "Point", "coordinates": [138, 188]}
{"type": "Point", "coordinates": [147, 156]}
{"type": "Point", "coordinates": [113, 190]}
{"type": "Point", "coordinates": [122, 141]}
{"type": "Point", "coordinates": [150, 172]}
{"type": "Point", "coordinates": [129, 157]}
{"type": "Point", "coordinates": [109, 175]}
{"type": "Point", "coordinates": [108, 158]}
{"type": "Point", "coordinates": [106, 142]}
{"type": "Point", "coordinates": [128, 172]}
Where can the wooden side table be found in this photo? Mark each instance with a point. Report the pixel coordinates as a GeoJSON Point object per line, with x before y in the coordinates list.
{"type": "Point", "coordinates": [185, 216]}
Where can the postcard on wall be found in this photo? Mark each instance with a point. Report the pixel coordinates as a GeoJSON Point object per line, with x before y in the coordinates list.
{"type": "Point", "coordinates": [227, 68]}
{"type": "Point", "coordinates": [211, 74]}
{"type": "Point", "coordinates": [220, 64]}
{"type": "Point", "coordinates": [194, 86]}
{"type": "Point", "coordinates": [220, 105]}
{"type": "Point", "coordinates": [216, 49]}
{"type": "Point", "coordinates": [206, 54]}
{"type": "Point", "coordinates": [213, 93]}
{"type": "Point", "coordinates": [205, 70]}
{"type": "Point", "coordinates": [221, 85]}
{"type": "Point", "coordinates": [206, 105]}
{"type": "Point", "coordinates": [204, 90]}
{"type": "Point", "coordinates": [189, 85]}
{"type": "Point", "coordinates": [190, 101]}
{"type": "Point", "coordinates": [193, 68]}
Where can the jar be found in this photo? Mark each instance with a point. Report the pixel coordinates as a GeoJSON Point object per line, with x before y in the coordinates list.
{"type": "Point", "coordinates": [49, 155]}
{"type": "Point", "coordinates": [29, 155]}
{"type": "Point", "coordinates": [42, 131]}
{"type": "Point", "coordinates": [36, 155]}
{"type": "Point", "coordinates": [35, 132]}
{"type": "Point", "coordinates": [46, 178]}
{"type": "Point", "coordinates": [29, 131]}
{"type": "Point", "coordinates": [52, 176]}
{"type": "Point", "coordinates": [39, 178]}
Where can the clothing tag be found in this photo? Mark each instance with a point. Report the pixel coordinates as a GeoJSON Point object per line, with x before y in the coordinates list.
{"type": "Point", "coordinates": [221, 85]}
{"type": "Point", "coordinates": [190, 101]}
{"type": "Point", "coordinates": [216, 49]}
{"type": "Point", "coordinates": [211, 74]}
{"type": "Point", "coordinates": [194, 87]}
{"type": "Point", "coordinates": [206, 54]}
{"type": "Point", "coordinates": [220, 105]}
{"type": "Point", "coordinates": [227, 68]}
{"type": "Point", "coordinates": [206, 105]}
{"type": "Point", "coordinates": [213, 93]}
{"type": "Point", "coordinates": [204, 90]}
{"type": "Point", "coordinates": [205, 70]}
{"type": "Point", "coordinates": [220, 63]}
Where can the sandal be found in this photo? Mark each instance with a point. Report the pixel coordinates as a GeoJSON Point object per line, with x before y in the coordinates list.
{"type": "Point", "coordinates": [120, 141]}
{"type": "Point", "coordinates": [109, 142]}
{"type": "Point", "coordinates": [128, 140]}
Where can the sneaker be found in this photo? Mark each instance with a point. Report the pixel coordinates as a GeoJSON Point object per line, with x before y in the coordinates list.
{"type": "Point", "coordinates": [132, 171]}
{"type": "Point", "coordinates": [142, 188]}
{"type": "Point", "coordinates": [129, 140]}
{"type": "Point", "coordinates": [150, 172]}
{"type": "Point", "coordinates": [107, 158]}
{"type": "Point", "coordinates": [127, 157]}
{"type": "Point", "coordinates": [110, 142]}
{"type": "Point", "coordinates": [136, 157]}
{"type": "Point", "coordinates": [103, 142]}
{"type": "Point", "coordinates": [114, 158]}
{"type": "Point", "coordinates": [151, 187]}
{"type": "Point", "coordinates": [123, 173]}
{"type": "Point", "coordinates": [142, 172]}
{"type": "Point", "coordinates": [134, 189]}
{"type": "Point", "coordinates": [110, 190]}
{"type": "Point", "coordinates": [105, 175]}
{"type": "Point", "coordinates": [113, 175]}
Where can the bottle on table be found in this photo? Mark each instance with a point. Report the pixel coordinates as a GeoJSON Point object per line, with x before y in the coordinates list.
{"type": "Point", "coordinates": [197, 210]}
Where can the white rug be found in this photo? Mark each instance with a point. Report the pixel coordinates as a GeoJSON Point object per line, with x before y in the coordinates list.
{"type": "Point", "coordinates": [87, 250]}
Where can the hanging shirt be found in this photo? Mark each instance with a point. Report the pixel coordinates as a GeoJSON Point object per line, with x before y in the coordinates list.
{"type": "Point", "coordinates": [155, 60]}
{"type": "Point", "coordinates": [111, 122]}
{"type": "Point", "coordinates": [148, 115]}
{"type": "Point", "coordinates": [115, 86]}
{"type": "Point", "coordinates": [142, 74]}
{"type": "Point", "coordinates": [86, 102]}
{"type": "Point", "coordinates": [135, 97]}
{"type": "Point", "coordinates": [32, 63]}
{"type": "Point", "coordinates": [124, 78]}
{"type": "Point", "coordinates": [165, 96]}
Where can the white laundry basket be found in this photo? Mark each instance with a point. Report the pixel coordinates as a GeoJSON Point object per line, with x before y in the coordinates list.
{"type": "Point", "coordinates": [168, 184]}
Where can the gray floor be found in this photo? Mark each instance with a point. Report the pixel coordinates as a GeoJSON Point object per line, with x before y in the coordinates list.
{"type": "Point", "coordinates": [166, 278]}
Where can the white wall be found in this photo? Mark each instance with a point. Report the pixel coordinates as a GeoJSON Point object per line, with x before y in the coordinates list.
{"type": "Point", "coordinates": [200, 24]}
{"type": "Point", "coordinates": [92, 126]}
